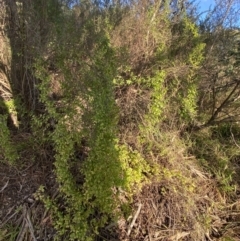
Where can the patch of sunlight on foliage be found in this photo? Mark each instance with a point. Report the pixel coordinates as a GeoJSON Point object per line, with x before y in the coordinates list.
{"type": "Point", "coordinates": [108, 166]}
{"type": "Point", "coordinates": [11, 108]}
{"type": "Point", "coordinates": [156, 108]}
{"type": "Point", "coordinates": [6, 146]}
{"type": "Point", "coordinates": [135, 168]}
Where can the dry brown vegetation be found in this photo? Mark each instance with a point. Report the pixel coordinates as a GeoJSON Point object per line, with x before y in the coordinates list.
{"type": "Point", "coordinates": [118, 122]}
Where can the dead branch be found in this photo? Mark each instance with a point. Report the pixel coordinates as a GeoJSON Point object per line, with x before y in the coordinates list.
{"type": "Point", "coordinates": [134, 219]}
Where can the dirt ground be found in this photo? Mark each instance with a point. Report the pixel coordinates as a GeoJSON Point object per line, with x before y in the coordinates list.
{"type": "Point", "coordinates": [20, 212]}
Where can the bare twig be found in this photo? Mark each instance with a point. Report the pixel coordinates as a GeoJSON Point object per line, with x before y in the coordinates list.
{"type": "Point", "coordinates": [223, 104]}
{"type": "Point", "coordinates": [134, 219]}
{"type": "Point", "coordinates": [6, 184]}
{"type": "Point", "coordinates": [153, 18]}
{"type": "Point", "coordinates": [22, 232]}
{"type": "Point", "coordinates": [28, 220]}
{"type": "Point", "coordinates": [24, 227]}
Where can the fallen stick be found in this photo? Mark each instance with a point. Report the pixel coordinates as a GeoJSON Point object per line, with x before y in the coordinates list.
{"type": "Point", "coordinates": [134, 219]}
{"type": "Point", "coordinates": [6, 184]}
{"type": "Point", "coordinates": [22, 232]}
{"type": "Point", "coordinates": [28, 220]}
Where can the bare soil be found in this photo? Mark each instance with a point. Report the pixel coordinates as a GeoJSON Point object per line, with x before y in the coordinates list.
{"type": "Point", "coordinates": [19, 207]}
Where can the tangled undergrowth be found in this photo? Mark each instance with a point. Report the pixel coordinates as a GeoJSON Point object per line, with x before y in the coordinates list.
{"type": "Point", "coordinates": [113, 142]}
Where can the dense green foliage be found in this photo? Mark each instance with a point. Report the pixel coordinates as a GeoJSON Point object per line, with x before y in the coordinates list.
{"type": "Point", "coordinates": [135, 89]}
